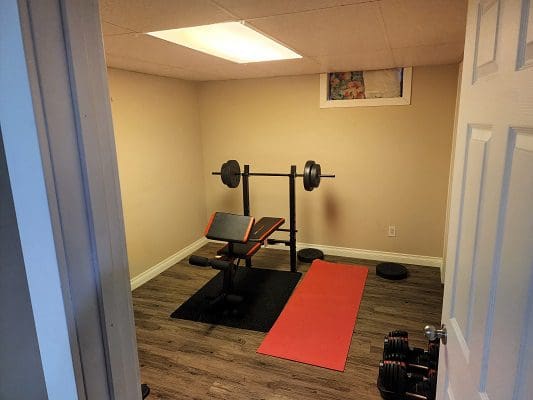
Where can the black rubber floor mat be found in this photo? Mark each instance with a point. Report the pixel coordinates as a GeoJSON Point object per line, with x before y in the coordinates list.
{"type": "Point", "coordinates": [264, 293]}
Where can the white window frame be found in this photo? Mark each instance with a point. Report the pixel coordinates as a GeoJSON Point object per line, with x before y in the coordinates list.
{"type": "Point", "coordinates": [404, 100]}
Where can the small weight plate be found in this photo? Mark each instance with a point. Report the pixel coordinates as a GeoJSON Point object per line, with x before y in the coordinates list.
{"type": "Point", "coordinates": [230, 173]}
{"type": "Point", "coordinates": [307, 175]}
{"type": "Point", "coordinates": [223, 173]}
{"type": "Point", "coordinates": [315, 175]}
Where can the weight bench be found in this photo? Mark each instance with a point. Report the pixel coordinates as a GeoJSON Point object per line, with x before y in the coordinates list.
{"type": "Point", "coordinates": [244, 238]}
{"type": "Point", "coordinates": [260, 232]}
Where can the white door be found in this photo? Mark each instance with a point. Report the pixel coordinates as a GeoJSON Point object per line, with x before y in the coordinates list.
{"type": "Point", "coordinates": [488, 300]}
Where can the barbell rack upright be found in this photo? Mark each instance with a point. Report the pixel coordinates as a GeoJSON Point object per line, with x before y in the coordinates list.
{"type": "Point", "coordinates": [246, 200]}
{"type": "Point", "coordinates": [292, 217]}
{"type": "Point", "coordinates": [246, 190]}
{"type": "Point", "coordinates": [292, 209]}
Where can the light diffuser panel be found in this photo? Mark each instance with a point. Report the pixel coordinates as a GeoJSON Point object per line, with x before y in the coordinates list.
{"type": "Point", "coordinates": [233, 41]}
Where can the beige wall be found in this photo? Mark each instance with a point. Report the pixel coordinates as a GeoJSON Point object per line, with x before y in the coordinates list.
{"type": "Point", "coordinates": [159, 152]}
{"type": "Point", "coordinates": [391, 162]}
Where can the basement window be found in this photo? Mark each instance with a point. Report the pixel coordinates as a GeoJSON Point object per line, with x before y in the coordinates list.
{"type": "Point", "coordinates": [386, 87]}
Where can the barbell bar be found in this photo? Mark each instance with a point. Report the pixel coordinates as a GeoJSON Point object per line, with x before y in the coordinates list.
{"type": "Point", "coordinates": [230, 173]}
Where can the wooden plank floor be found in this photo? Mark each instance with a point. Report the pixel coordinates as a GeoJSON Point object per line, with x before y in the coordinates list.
{"type": "Point", "coordinates": [188, 360]}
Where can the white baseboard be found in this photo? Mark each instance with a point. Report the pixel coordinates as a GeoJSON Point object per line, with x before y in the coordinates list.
{"type": "Point", "coordinates": [331, 250]}
{"type": "Point", "coordinates": [166, 263]}
{"type": "Point", "coordinates": [370, 254]}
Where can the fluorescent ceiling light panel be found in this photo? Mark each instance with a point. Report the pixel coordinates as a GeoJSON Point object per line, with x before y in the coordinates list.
{"type": "Point", "coordinates": [233, 41]}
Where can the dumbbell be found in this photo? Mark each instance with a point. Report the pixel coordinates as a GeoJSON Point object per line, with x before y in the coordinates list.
{"type": "Point", "coordinates": [395, 382]}
{"type": "Point", "coordinates": [396, 348]}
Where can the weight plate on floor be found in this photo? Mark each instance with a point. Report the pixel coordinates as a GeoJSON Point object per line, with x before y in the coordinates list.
{"type": "Point", "coordinates": [230, 173]}
{"type": "Point", "coordinates": [307, 175]}
{"type": "Point", "coordinates": [392, 271]}
{"type": "Point", "coordinates": [309, 255]}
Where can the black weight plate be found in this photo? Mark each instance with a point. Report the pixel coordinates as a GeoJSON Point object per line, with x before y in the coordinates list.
{"type": "Point", "coordinates": [387, 377]}
{"type": "Point", "coordinates": [309, 255]}
{"type": "Point", "coordinates": [223, 174]}
{"type": "Point", "coordinates": [307, 175]}
{"type": "Point", "coordinates": [402, 379]}
{"type": "Point", "coordinates": [230, 173]}
{"type": "Point", "coordinates": [394, 356]}
{"type": "Point", "coordinates": [315, 175]}
{"type": "Point", "coordinates": [396, 375]}
{"type": "Point", "coordinates": [398, 333]}
{"type": "Point", "coordinates": [396, 345]}
{"type": "Point", "coordinates": [389, 346]}
{"type": "Point", "coordinates": [391, 271]}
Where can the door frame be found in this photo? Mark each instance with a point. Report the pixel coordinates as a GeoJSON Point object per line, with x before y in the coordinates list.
{"type": "Point", "coordinates": [58, 136]}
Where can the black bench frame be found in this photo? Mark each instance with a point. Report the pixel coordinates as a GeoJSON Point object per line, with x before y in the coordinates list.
{"type": "Point", "coordinates": [291, 243]}
{"type": "Point", "coordinates": [234, 230]}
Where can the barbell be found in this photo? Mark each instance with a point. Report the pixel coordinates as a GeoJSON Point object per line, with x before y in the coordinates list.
{"type": "Point", "coordinates": [230, 173]}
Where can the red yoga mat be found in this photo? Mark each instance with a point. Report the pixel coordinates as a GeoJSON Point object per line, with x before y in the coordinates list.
{"type": "Point", "coordinates": [317, 323]}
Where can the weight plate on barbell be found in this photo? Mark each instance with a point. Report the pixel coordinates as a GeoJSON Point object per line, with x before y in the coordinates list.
{"type": "Point", "coordinates": [315, 175]}
{"type": "Point", "coordinates": [307, 175]}
{"type": "Point", "coordinates": [230, 173]}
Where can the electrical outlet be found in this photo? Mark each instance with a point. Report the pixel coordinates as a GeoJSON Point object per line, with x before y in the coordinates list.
{"type": "Point", "coordinates": [392, 231]}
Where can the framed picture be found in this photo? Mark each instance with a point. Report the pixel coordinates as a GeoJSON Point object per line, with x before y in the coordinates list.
{"type": "Point", "coordinates": [386, 87]}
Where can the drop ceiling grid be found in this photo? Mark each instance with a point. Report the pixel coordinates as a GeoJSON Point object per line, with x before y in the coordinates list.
{"type": "Point", "coordinates": [330, 34]}
{"type": "Point", "coordinates": [249, 10]}
{"type": "Point", "coordinates": [147, 16]}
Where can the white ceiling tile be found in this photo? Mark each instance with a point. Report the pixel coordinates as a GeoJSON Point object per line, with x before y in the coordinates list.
{"type": "Point", "coordinates": [448, 53]}
{"type": "Point", "coordinates": [332, 35]}
{"type": "Point", "coordinates": [246, 9]}
{"type": "Point", "coordinates": [218, 72]}
{"type": "Point", "coordinates": [150, 49]}
{"type": "Point", "coordinates": [148, 16]}
{"type": "Point", "coordinates": [340, 30]}
{"type": "Point", "coordinates": [412, 23]}
{"type": "Point", "coordinates": [151, 68]}
{"type": "Point", "coordinates": [357, 62]}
